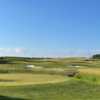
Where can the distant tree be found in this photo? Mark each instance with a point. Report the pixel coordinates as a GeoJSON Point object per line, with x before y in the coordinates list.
{"type": "Point", "coordinates": [3, 60]}
{"type": "Point", "coordinates": [96, 56]}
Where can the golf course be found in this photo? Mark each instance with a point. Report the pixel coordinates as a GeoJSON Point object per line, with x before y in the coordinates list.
{"type": "Point", "coordinates": [49, 78]}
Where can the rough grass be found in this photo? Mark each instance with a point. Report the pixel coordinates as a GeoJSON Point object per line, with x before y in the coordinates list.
{"type": "Point", "coordinates": [71, 90]}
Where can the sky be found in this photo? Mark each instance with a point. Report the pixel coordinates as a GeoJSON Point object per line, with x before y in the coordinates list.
{"type": "Point", "coordinates": [53, 28]}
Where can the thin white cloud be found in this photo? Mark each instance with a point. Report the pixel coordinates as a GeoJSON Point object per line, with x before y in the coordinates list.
{"type": "Point", "coordinates": [44, 53]}
{"type": "Point", "coordinates": [12, 51]}
{"type": "Point", "coordinates": [19, 50]}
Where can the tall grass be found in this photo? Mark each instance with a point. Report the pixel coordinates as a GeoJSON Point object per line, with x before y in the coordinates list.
{"type": "Point", "coordinates": [90, 78]}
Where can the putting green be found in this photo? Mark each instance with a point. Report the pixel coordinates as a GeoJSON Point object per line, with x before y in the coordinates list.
{"type": "Point", "coordinates": [29, 79]}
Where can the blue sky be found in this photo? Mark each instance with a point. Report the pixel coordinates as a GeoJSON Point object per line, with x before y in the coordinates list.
{"type": "Point", "coordinates": [49, 27]}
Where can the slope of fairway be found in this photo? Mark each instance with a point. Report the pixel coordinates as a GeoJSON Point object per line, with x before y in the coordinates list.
{"type": "Point", "coordinates": [29, 79]}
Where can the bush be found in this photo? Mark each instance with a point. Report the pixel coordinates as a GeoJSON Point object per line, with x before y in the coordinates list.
{"type": "Point", "coordinates": [96, 56]}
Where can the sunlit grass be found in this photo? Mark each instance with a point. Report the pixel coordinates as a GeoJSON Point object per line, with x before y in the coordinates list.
{"type": "Point", "coordinates": [29, 79]}
{"type": "Point", "coordinates": [95, 71]}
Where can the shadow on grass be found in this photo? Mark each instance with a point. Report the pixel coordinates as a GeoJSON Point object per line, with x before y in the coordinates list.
{"type": "Point", "coordinates": [9, 98]}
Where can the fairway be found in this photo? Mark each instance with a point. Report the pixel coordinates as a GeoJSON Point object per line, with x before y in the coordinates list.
{"type": "Point", "coordinates": [94, 71]}
{"type": "Point", "coordinates": [29, 79]}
